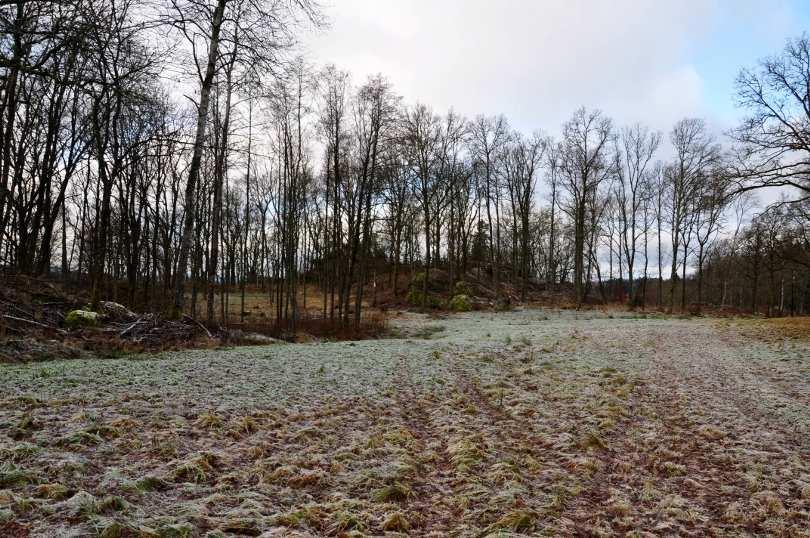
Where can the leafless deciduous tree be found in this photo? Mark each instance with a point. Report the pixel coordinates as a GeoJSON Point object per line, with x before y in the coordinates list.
{"type": "Point", "coordinates": [585, 163]}
{"type": "Point", "coordinates": [261, 29]}
{"type": "Point", "coordinates": [696, 153]}
{"type": "Point", "coordinates": [773, 143]}
{"type": "Point", "coordinates": [636, 150]}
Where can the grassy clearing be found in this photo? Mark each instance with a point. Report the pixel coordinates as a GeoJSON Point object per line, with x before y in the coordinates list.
{"type": "Point", "coordinates": [520, 423]}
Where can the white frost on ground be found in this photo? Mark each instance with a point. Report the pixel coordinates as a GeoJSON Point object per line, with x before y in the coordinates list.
{"type": "Point", "coordinates": [530, 422]}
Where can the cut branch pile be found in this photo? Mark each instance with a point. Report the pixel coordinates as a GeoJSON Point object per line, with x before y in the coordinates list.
{"type": "Point", "coordinates": [153, 330]}
{"type": "Point", "coordinates": [33, 325]}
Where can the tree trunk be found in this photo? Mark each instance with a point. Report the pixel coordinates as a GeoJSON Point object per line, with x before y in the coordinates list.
{"type": "Point", "coordinates": [194, 167]}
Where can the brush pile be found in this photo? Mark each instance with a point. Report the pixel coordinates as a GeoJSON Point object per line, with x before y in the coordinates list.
{"type": "Point", "coordinates": [43, 321]}
{"type": "Point", "coordinates": [153, 330]}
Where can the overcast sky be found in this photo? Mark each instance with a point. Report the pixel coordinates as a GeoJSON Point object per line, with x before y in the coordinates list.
{"type": "Point", "coordinates": [537, 61]}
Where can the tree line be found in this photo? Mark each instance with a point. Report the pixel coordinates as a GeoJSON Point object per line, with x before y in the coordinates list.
{"type": "Point", "coordinates": [172, 154]}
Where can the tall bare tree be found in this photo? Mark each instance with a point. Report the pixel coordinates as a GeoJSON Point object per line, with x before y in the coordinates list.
{"type": "Point", "coordinates": [585, 163]}
{"type": "Point", "coordinates": [773, 143]}
{"type": "Point", "coordinates": [265, 29]}
{"type": "Point", "coordinates": [635, 152]}
{"type": "Point", "coordinates": [696, 153]}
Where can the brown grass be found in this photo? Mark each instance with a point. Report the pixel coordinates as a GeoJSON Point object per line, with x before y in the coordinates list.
{"type": "Point", "coordinates": [373, 324]}
{"type": "Point", "coordinates": [260, 304]}
{"type": "Point", "coordinates": [776, 329]}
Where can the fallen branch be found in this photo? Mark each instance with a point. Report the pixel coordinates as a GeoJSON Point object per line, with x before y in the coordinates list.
{"type": "Point", "coordinates": [32, 322]}
{"type": "Point", "coordinates": [125, 331]}
{"type": "Point", "coordinates": [200, 325]}
{"type": "Point", "coordinates": [17, 308]}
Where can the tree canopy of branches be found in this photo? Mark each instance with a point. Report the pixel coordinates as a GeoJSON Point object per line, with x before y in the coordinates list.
{"type": "Point", "coordinates": [168, 154]}
{"type": "Point", "coordinates": [773, 142]}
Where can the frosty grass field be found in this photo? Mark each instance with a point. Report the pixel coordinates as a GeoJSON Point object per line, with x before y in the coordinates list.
{"type": "Point", "coordinates": [522, 423]}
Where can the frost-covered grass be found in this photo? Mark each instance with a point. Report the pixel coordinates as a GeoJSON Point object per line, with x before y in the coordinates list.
{"type": "Point", "coordinates": [531, 422]}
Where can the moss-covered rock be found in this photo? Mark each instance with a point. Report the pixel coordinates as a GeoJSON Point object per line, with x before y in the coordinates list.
{"type": "Point", "coordinates": [460, 303]}
{"type": "Point", "coordinates": [82, 318]}
{"type": "Point", "coordinates": [462, 288]}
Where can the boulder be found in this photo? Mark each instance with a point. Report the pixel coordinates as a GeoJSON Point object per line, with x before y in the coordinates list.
{"type": "Point", "coordinates": [460, 303]}
{"type": "Point", "coordinates": [462, 288]}
{"type": "Point", "coordinates": [116, 311]}
{"type": "Point", "coordinates": [82, 318]}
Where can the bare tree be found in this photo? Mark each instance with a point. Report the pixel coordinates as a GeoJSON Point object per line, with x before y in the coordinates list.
{"type": "Point", "coordinates": [553, 167]}
{"type": "Point", "coordinates": [522, 160]}
{"type": "Point", "coordinates": [709, 220]}
{"type": "Point", "coordinates": [264, 28]}
{"type": "Point", "coordinates": [584, 164]}
{"type": "Point", "coordinates": [773, 144]}
{"type": "Point", "coordinates": [487, 136]}
{"type": "Point", "coordinates": [334, 94]}
{"type": "Point", "coordinates": [375, 115]}
{"type": "Point", "coordinates": [695, 154]}
{"type": "Point", "coordinates": [636, 148]}
{"type": "Point", "coordinates": [421, 138]}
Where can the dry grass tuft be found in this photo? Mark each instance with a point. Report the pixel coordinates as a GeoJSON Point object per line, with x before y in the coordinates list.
{"type": "Point", "coordinates": [769, 501]}
{"type": "Point", "coordinates": [517, 521]}
{"type": "Point", "coordinates": [395, 492]}
{"type": "Point", "coordinates": [711, 433]}
{"type": "Point", "coordinates": [592, 441]}
{"type": "Point", "coordinates": [20, 452]}
{"type": "Point", "coordinates": [197, 469]}
{"type": "Point", "coordinates": [12, 475]}
{"type": "Point", "coordinates": [670, 468]}
{"type": "Point", "coordinates": [151, 483]}
{"type": "Point", "coordinates": [619, 508]}
{"type": "Point", "coordinates": [243, 426]}
{"type": "Point", "coordinates": [55, 491]}
{"type": "Point", "coordinates": [465, 454]}
{"type": "Point", "coordinates": [399, 437]}
{"type": "Point", "coordinates": [209, 421]}
{"type": "Point", "coordinates": [346, 521]}
{"type": "Point", "coordinates": [561, 496]}
{"type": "Point", "coordinates": [307, 479]}
{"type": "Point", "coordinates": [241, 526]}
{"type": "Point", "coordinates": [396, 522]}
{"type": "Point", "coordinates": [734, 513]}
{"type": "Point", "coordinates": [306, 516]}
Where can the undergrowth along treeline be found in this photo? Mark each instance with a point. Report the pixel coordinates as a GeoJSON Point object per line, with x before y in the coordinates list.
{"type": "Point", "coordinates": [279, 173]}
{"type": "Point", "coordinates": [41, 319]}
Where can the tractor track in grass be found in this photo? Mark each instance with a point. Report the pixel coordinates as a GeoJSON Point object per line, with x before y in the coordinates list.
{"type": "Point", "coordinates": [429, 487]}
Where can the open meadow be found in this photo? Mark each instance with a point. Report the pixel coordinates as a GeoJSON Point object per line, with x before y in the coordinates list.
{"type": "Point", "coordinates": [541, 423]}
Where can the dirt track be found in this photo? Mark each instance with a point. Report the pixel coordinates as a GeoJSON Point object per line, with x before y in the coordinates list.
{"type": "Point", "coordinates": [538, 423]}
